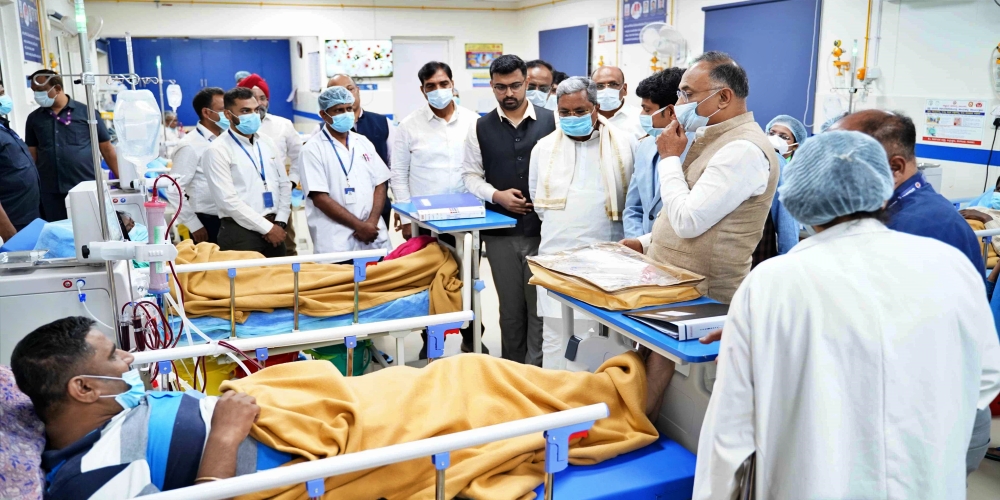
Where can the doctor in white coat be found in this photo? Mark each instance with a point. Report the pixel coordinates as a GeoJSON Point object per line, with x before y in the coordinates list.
{"type": "Point", "coordinates": [852, 366]}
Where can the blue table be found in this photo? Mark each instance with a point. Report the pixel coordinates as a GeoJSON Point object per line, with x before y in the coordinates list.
{"type": "Point", "coordinates": [460, 227]}
{"type": "Point", "coordinates": [682, 352]}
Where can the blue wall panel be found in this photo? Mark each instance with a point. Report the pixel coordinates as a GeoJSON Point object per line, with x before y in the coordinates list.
{"type": "Point", "coordinates": [775, 41]}
{"type": "Point", "coordinates": [566, 49]}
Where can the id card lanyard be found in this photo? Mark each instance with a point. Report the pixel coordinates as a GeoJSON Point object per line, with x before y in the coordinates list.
{"type": "Point", "coordinates": [268, 197]}
{"type": "Point", "coordinates": [348, 191]}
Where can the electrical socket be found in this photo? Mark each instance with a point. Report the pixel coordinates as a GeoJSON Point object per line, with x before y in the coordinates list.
{"type": "Point", "coordinates": [996, 111]}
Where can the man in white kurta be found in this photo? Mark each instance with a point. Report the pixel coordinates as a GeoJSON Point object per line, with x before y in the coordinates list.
{"type": "Point", "coordinates": [348, 175]}
{"type": "Point", "coordinates": [570, 181]}
{"type": "Point", "coordinates": [852, 366]}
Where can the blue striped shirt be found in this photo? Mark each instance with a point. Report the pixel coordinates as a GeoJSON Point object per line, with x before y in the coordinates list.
{"type": "Point", "coordinates": [156, 446]}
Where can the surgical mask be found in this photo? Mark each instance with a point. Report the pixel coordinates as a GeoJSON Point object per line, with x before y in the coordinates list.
{"type": "Point", "coordinates": [577, 126]}
{"type": "Point", "coordinates": [222, 122]}
{"type": "Point", "coordinates": [6, 104]}
{"type": "Point", "coordinates": [779, 144]}
{"type": "Point", "coordinates": [262, 111]}
{"type": "Point", "coordinates": [43, 99]}
{"type": "Point", "coordinates": [609, 99]}
{"type": "Point", "coordinates": [551, 103]}
{"type": "Point", "coordinates": [537, 98]}
{"type": "Point", "coordinates": [343, 122]}
{"type": "Point", "coordinates": [995, 201]}
{"type": "Point", "coordinates": [646, 122]}
{"type": "Point", "coordinates": [249, 123]}
{"type": "Point", "coordinates": [457, 101]}
{"type": "Point", "coordinates": [440, 98]}
{"type": "Point", "coordinates": [130, 398]}
{"type": "Point", "coordinates": [688, 117]}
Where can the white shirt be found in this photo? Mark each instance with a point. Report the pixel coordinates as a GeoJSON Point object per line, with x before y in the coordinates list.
{"type": "Point", "coordinates": [584, 220]}
{"type": "Point", "coordinates": [738, 171]}
{"type": "Point", "coordinates": [854, 366]}
{"type": "Point", "coordinates": [428, 153]}
{"type": "Point", "coordinates": [473, 172]}
{"type": "Point", "coordinates": [286, 140]}
{"type": "Point", "coordinates": [322, 173]}
{"type": "Point", "coordinates": [236, 184]}
{"type": "Point", "coordinates": [171, 138]}
{"type": "Point", "coordinates": [627, 119]}
{"type": "Point", "coordinates": [191, 176]}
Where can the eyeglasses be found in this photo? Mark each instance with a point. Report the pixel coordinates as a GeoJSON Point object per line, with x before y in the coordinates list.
{"type": "Point", "coordinates": [686, 96]}
{"type": "Point", "coordinates": [545, 89]}
{"type": "Point", "coordinates": [781, 135]}
{"type": "Point", "coordinates": [500, 88]}
{"type": "Point", "coordinates": [612, 85]}
{"type": "Point", "coordinates": [578, 112]}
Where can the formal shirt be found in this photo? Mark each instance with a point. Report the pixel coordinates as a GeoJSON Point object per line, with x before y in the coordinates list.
{"type": "Point", "coordinates": [737, 172]}
{"type": "Point", "coordinates": [390, 142]}
{"type": "Point", "coordinates": [627, 119]}
{"type": "Point", "coordinates": [853, 366]}
{"type": "Point", "coordinates": [473, 173]}
{"type": "Point", "coordinates": [65, 157]}
{"type": "Point", "coordinates": [584, 220]}
{"type": "Point", "coordinates": [915, 208]}
{"type": "Point", "coordinates": [428, 153]}
{"type": "Point", "coordinates": [286, 140]}
{"type": "Point", "coordinates": [172, 138]}
{"type": "Point", "coordinates": [156, 446]}
{"type": "Point", "coordinates": [359, 168]}
{"type": "Point", "coordinates": [191, 176]}
{"type": "Point", "coordinates": [18, 179]}
{"type": "Point", "coordinates": [233, 165]}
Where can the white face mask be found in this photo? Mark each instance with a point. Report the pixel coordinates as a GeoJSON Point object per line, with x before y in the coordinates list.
{"type": "Point", "coordinates": [537, 98]}
{"type": "Point", "coordinates": [779, 144]}
{"type": "Point", "coordinates": [688, 117]}
{"type": "Point", "coordinates": [609, 99]}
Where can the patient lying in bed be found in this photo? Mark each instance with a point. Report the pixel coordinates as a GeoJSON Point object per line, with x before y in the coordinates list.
{"type": "Point", "coordinates": [107, 438]}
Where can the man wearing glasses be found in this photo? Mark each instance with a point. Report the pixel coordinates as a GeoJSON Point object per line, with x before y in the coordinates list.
{"type": "Point", "coordinates": [497, 153]}
{"type": "Point", "coordinates": [715, 202]}
{"type": "Point", "coordinates": [611, 92]}
{"type": "Point", "coordinates": [541, 90]}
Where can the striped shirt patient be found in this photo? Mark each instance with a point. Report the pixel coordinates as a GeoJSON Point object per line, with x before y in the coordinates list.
{"type": "Point", "coordinates": [79, 383]}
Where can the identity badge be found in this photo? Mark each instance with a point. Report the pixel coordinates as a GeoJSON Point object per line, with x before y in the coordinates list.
{"type": "Point", "coordinates": [349, 196]}
{"type": "Point", "coordinates": [268, 199]}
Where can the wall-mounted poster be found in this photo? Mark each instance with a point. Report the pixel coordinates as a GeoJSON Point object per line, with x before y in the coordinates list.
{"type": "Point", "coordinates": [481, 55]}
{"type": "Point", "coordinates": [958, 121]}
{"type": "Point", "coordinates": [636, 14]}
{"type": "Point", "coordinates": [607, 30]}
{"type": "Point", "coordinates": [359, 58]}
{"type": "Point", "coordinates": [31, 38]}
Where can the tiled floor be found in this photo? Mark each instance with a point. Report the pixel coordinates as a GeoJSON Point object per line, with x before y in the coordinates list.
{"type": "Point", "coordinates": [984, 484]}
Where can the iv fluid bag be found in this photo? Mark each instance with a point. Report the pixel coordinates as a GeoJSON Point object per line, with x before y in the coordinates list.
{"type": "Point", "coordinates": [174, 96]}
{"type": "Point", "coordinates": [137, 124]}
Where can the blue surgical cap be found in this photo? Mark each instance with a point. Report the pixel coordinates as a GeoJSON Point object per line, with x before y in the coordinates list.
{"type": "Point", "coordinates": [835, 174]}
{"type": "Point", "coordinates": [240, 75]}
{"type": "Point", "coordinates": [334, 96]}
{"type": "Point", "coordinates": [829, 123]}
{"type": "Point", "coordinates": [798, 129]}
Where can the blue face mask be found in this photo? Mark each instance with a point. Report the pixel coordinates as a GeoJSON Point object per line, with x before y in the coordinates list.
{"type": "Point", "coordinates": [457, 101]}
{"type": "Point", "coordinates": [688, 117]}
{"type": "Point", "coordinates": [577, 126]}
{"type": "Point", "coordinates": [343, 122]}
{"type": "Point", "coordinates": [249, 123]}
{"type": "Point", "coordinates": [995, 201]}
{"type": "Point", "coordinates": [130, 398]}
{"type": "Point", "coordinates": [551, 103]}
{"type": "Point", "coordinates": [6, 104]}
{"type": "Point", "coordinates": [609, 99]}
{"type": "Point", "coordinates": [222, 122]}
{"type": "Point", "coordinates": [537, 98]}
{"type": "Point", "coordinates": [43, 99]}
{"type": "Point", "coordinates": [646, 121]}
{"type": "Point", "coordinates": [440, 98]}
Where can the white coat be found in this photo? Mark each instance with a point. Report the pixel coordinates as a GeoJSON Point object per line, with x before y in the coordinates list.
{"type": "Point", "coordinates": [853, 366]}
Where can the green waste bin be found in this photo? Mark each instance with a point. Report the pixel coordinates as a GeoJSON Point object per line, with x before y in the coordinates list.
{"type": "Point", "coordinates": [337, 354]}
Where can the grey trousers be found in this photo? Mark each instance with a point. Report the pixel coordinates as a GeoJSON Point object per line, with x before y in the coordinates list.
{"type": "Point", "coordinates": [520, 326]}
{"type": "Point", "coordinates": [980, 441]}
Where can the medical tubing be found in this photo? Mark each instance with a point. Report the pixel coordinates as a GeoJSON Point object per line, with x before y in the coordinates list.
{"type": "Point", "coordinates": [180, 198]}
{"type": "Point", "coordinates": [83, 300]}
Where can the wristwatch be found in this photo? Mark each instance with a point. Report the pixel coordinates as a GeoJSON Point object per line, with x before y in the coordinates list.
{"type": "Point", "coordinates": [282, 225]}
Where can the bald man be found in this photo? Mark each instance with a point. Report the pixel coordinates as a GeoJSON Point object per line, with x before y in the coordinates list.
{"type": "Point", "coordinates": [611, 92]}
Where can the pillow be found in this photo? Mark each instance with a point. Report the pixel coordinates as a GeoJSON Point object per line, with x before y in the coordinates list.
{"type": "Point", "coordinates": [22, 440]}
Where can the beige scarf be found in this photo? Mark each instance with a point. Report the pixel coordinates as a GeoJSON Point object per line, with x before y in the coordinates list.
{"type": "Point", "coordinates": [556, 174]}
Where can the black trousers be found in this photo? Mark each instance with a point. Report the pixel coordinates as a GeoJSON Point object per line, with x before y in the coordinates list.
{"type": "Point", "coordinates": [52, 206]}
{"type": "Point", "coordinates": [232, 236]}
{"type": "Point", "coordinates": [211, 223]}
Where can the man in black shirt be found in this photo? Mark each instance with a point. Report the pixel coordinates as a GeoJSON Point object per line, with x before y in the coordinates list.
{"type": "Point", "coordinates": [58, 137]}
{"type": "Point", "coordinates": [495, 169]}
{"type": "Point", "coordinates": [18, 177]}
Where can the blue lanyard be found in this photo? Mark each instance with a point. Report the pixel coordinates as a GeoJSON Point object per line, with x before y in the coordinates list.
{"type": "Point", "coordinates": [919, 184]}
{"type": "Point", "coordinates": [332, 145]}
{"type": "Point", "coordinates": [260, 155]}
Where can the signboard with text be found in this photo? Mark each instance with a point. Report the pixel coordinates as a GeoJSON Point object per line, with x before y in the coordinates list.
{"type": "Point", "coordinates": [31, 37]}
{"type": "Point", "coordinates": [958, 121]}
{"type": "Point", "coordinates": [637, 14]}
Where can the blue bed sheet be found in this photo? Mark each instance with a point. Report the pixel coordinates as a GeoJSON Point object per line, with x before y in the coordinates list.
{"type": "Point", "coordinates": [663, 470]}
{"type": "Point", "coordinates": [281, 320]}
